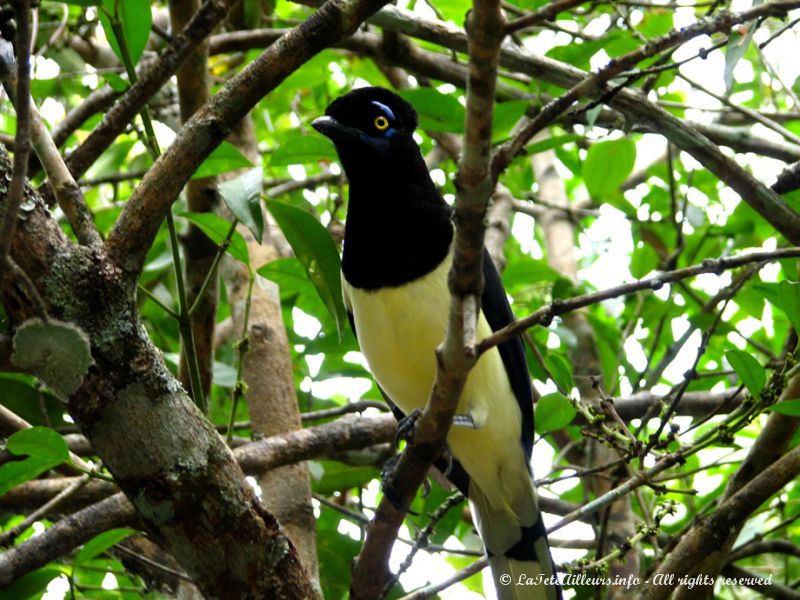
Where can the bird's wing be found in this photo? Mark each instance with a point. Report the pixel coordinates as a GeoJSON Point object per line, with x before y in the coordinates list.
{"type": "Point", "coordinates": [497, 311]}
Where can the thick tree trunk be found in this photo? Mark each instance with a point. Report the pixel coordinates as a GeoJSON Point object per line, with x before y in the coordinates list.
{"type": "Point", "coordinates": [170, 462]}
{"type": "Point", "coordinates": [267, 372]}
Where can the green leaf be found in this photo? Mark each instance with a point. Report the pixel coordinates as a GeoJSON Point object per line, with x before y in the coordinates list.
{"type": "Point", "coordinates": [454, 10]}
{"type": "Point", "coordinates": [592, 114]}
{"type": "Point", "coordinates": [112, 159]}
{"type": "Point", "coordinates": [748, 369]}
{"type": "Point", "coordinates": [58, 352]}
{"type": "Point", "coordinates": [769, 291]}
{"type": "Point", "coordinates": [136, 21]}
{"type": "Point", "coordinates": [30, 585]}
{"type": "Point", "coordinates": [337, 476]}
{"type": "Point", "coordinates": [252, 13]}
{"type": "Point", "coordinates": [302, 149]}
{"type": "Point", "coordinates": [553, 411]}
{"type": "Point", "coordinates": [115, 82]}
{"type": "Point", "coordinates": [313, 246]}
{"type": "Point", "coordinates": [522, 272]}
{"type": "Point", "coordinates": [15, 473]}
{"type": "Point", "coordinates": [644, 260]}
{"type": "Point", "coordinates": [217, 228]}
{"type": "Point", "coordinates": [224, 375]}
{"type": "Point", "coordinates": [101, 543]}
{"type": "Point", "coordinates": [46, 449]}
{"type": "Point", "coordinates": [39, 442]}
{"type": "Point", "coordinates": [224, 158]}
{"type": "Point", "coordinates": [789, 301]}
{"type": "Point", "coordinates": [656, 22]}
{"type": "Point", "coordinates": [607, 166]}
{"type": "Point", "coordinates": [506, 115]}
{"type": "Point", "coordinates": [243, 197]}
{"type": "Point", "coordinates": [336, 552]}
{"type": "Point", "coordinates": [560, 370]}
{"type": "Point", "coordinates": [298, 290]}
{"type": "Point", "coordinates": [437, 111]}
{"type": "Point", "coordinates": [787, 407]}
{"type": "Point", "coordinates": [795, 440]}
{"type": "Point", "coordinates": [736, 48]}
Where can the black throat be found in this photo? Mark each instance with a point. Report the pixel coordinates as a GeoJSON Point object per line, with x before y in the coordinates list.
{"type": "Point", "coordinates": [398, 227]}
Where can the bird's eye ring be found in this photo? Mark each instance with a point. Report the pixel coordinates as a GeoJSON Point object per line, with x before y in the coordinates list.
{"type": "Point", "coordinates": [381, 123]}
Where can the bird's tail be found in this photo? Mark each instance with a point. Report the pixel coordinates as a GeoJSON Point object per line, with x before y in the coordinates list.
{"type": "Point", "coordinates": [519, 555]}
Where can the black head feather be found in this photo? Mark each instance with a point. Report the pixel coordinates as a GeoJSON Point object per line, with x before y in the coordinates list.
{"type": "Point", "coordinates": [398, 226]}
{"type": "Point", "coordinates": [372, 129]}
{"type": "Point", "coordinates": [361, 107]}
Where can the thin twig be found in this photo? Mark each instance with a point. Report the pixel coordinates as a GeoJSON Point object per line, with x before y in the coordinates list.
{"type": "Point", "coordinates": [242, 346]}
{"type": "Point", "coordinates": [7, 537]}
{"type": "Point", "coordinates": [22, 141]}
{"type": "Point", "coordinates": [769, 123]}
{"type": "Point", "coordinates": [465, 573]}
{"type": "Point", "coordinates": [184, 314]}
{"type": "Point", "coordinates": [547, 313]}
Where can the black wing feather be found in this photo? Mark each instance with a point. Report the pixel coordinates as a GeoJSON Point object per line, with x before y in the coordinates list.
{"type": "Point", "coordinates": [497, 311]}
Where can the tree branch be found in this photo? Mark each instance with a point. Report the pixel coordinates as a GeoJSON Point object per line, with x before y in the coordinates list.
{"type": "Point", "coordinates": [474, 184]}
{"type": "Point", "coordinates": [545, 315]}
{"type": "Point", "coordinates": [154, 75]}
{"type": "Point", "coordinates": [137, 225]}
{"type": "Point", "coordinates": [22, 141]}
{"type": "Point", "coordinates": [710, 533]}
{"type": "Point", "coordinates": [722, 21]}
{"type": "Point", "coordinates": [65, 535]}
{"type": "Point", "coordinates": [638, 110]}
{"type": "Point", "coordinates": [347, 433]}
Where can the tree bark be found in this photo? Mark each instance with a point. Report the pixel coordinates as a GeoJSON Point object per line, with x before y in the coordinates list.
{"type": "Point", "coordinates": [184, 482]}
{"type": "Point", "coordinates": [269, 377]}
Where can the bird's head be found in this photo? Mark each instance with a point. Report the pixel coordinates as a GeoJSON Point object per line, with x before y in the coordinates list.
{"type": "Point", "coordinates": [372, 128]}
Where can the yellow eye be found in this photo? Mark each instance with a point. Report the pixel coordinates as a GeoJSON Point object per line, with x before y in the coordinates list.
{"type": "Point", "coordinates": [381, 123]}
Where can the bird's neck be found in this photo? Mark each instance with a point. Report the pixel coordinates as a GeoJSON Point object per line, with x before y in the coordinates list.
{"type": "Point", "coordinates": [398, 226]}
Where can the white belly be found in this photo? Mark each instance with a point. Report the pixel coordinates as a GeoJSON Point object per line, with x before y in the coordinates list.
{"type": "Point", "coordinates": [398, 330]}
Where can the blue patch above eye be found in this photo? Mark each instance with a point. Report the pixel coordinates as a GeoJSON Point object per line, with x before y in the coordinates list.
{"type": "Point", "coordinates": [384, 109]}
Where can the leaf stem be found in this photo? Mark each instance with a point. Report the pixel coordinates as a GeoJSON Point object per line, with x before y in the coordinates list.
{"type": "Point", "coordinates": [184, 315]}
{"type": "Point", "coordinates": [158, 301]}
{"type": "Point", "coordinates": [91, 473]}
{"type": "Point", "coordinates": [221, 249]}
{"type": "Point", "coordinates": [242, 346]}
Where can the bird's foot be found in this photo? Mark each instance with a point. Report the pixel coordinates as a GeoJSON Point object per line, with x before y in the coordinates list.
{"type": "Point", "coordinates": [406, 426]}
{"type": "Point", "coordinates": [447, 457]}
{"type": "Point", "coordinates": [387, 475]}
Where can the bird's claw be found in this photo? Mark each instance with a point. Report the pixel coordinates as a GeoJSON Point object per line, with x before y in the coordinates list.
{"type": "Point", "coordinates": [406, 426]}
{"type": "Point", "coordinates": [389, 490]}
{"type": "Point", "coordinates": [448, 459]}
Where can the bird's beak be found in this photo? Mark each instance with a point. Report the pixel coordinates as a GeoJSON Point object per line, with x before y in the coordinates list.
{"type": "Point", "coordinates": [330, 127]}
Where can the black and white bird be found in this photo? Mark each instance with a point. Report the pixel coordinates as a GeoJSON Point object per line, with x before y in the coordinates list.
{"type": "Point", "coordinates": [397, 254]}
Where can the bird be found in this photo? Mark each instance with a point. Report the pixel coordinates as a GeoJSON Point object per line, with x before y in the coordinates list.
{"type": "Point", "coordinates": [397, 252]}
